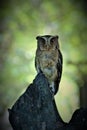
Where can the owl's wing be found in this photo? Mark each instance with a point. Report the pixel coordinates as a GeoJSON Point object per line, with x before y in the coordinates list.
{"type": "Point", "coordinates": [59, 71]}
{"type": "Point", "coordinates": [37, 65]}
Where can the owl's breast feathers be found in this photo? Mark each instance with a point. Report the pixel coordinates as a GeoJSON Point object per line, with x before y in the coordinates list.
{"type": "Point", "coordinates": [48, 63]}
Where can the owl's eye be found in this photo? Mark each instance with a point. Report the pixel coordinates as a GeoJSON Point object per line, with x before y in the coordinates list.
{"type": "Point", "coordinates": [52, 41]}
{"type": "Point", "coordinates": [42, 44]}
{"type": "Point", "coordinates": [42, 40]}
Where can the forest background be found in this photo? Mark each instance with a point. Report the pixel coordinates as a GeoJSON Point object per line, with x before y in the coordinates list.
{"type": "Point", "coordinates": [20, 22]}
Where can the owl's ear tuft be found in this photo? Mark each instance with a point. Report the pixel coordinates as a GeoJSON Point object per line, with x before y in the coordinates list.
{"type": "Point", "coordinates": [56, 36]}
{"type": "Point", "coordinates": [38, 37]}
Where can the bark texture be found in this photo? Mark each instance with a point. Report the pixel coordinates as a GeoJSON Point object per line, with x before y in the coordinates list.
{"type": "Point", "coordinates": [36, 110]}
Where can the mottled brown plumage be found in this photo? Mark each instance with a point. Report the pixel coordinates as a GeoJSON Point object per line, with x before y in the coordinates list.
{"type": "Point", "coordinates": [49, 60]}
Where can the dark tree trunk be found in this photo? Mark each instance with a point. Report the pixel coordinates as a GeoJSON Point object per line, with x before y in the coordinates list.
{"type": "Point", "coordinates": [83, 95]}
{"type": "Point", "coordinates": [36, 110]}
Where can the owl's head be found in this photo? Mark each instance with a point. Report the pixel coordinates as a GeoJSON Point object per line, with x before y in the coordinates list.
{"type": "Point", "coordinates": [47, 42]}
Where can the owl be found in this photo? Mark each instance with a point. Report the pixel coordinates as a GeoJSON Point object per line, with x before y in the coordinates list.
{"type": "Point", "coordinates": [48, 60]}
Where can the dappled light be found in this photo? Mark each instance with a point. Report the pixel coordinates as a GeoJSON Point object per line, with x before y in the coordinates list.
{"type": "Point", "coordinates": [21, 21]}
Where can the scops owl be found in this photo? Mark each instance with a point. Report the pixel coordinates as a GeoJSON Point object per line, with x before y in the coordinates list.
{"type": "Point", "coordinates": [49, 60]}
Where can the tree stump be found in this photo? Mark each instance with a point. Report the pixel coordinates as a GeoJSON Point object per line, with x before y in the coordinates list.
{"type": "Point", "coordinates": [36, 110]}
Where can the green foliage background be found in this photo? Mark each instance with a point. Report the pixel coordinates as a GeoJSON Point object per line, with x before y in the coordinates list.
{"type": "Point", "coordinates": [21, 21]}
